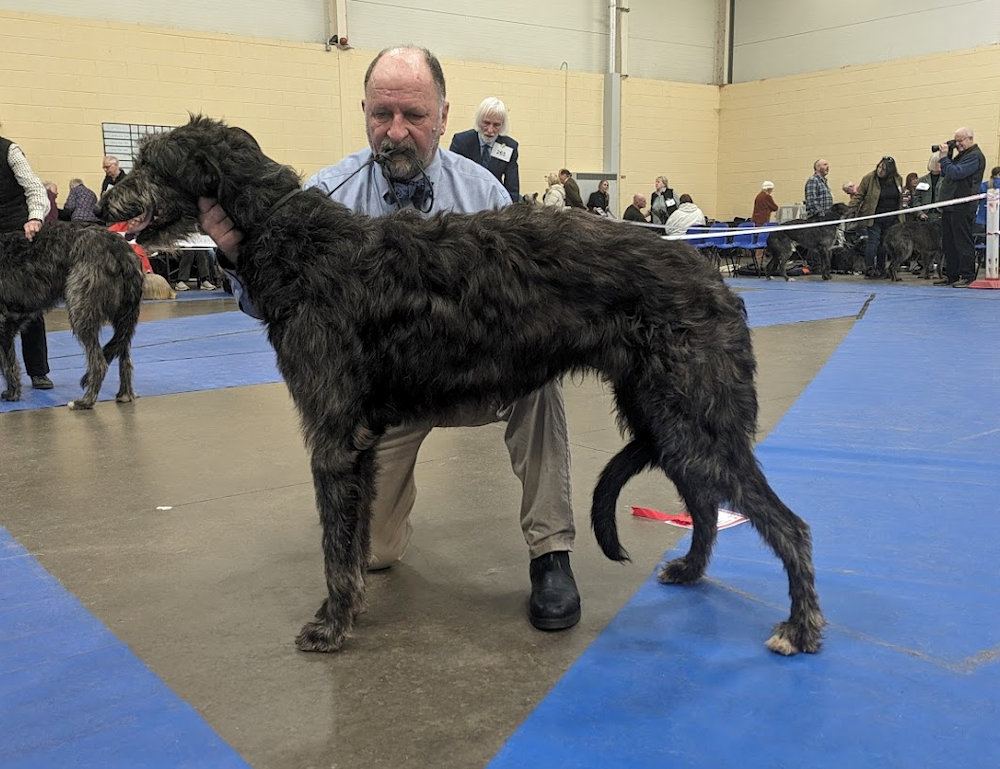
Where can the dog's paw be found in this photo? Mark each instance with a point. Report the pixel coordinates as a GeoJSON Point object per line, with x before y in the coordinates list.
{"type": "Point", "coordinates": [789, 639]}
{"type": "Point", "coordinates": [319, 637]}
{"type": "Point", "coordinates": [79, 405]}
{"type": "Point", "coordinates": [125, 397]}
{"type": "Point", "coordinates": [10, 395]}
{"type": "Point", "coordinates": [679, 572]}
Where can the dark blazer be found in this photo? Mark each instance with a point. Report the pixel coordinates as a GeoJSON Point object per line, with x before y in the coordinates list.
{"type": "Point", "coordinates": [466, 143]}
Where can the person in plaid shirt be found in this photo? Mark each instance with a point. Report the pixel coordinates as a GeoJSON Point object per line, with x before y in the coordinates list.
{"type": "Point", "coordinates": [818, 196]}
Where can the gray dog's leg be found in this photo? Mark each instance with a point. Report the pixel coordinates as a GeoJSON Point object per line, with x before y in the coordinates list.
{"type": "Point", "coordinates": [8, 362]}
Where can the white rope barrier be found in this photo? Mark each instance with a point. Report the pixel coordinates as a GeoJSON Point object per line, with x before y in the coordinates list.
{"type": "Point", "coordinates": [729, 232]}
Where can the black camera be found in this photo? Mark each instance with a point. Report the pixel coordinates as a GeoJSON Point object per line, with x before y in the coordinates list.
{"type": "Point", "coordinates": [937, 147]}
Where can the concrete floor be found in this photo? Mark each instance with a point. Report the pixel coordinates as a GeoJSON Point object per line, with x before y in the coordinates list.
{"type": "Point", "coordinates": [211, 592]}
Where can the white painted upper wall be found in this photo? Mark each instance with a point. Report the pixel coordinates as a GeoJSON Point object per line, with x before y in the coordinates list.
{"type": "Point", "coordinates": [668, 39]}
{"type": "Point", "coordinates": [774, 38]}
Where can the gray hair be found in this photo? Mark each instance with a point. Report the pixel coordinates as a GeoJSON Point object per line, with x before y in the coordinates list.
{"type": "Point", "coordinates": [934, 160]}
{"type": "Point", "coordinates": [75, 183]}
{"type": "Point", "coordinates": [437, 74]}
{"type": "Point", "coordinates": [491, 105]}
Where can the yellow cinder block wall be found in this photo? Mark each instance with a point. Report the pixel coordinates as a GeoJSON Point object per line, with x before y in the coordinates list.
{"type": "Point", "coordinates": [775, 129]}
{"type": "Point", "coordinates": [60, 78]}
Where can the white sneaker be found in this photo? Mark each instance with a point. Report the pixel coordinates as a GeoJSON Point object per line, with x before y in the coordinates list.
{"type": "Point", "coordinates": [180, 286]}
{"type": "Point", "coordinates": [206, 286]}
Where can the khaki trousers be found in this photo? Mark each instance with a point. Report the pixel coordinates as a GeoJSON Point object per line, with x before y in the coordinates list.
{"type": "Point", "coordinates": [537, 442]}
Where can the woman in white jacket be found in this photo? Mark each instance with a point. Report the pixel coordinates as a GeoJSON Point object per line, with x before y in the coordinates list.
{"type": "Point", "coordinates": [555, 195]}
{"type": "Point", "coordinates": [687, 215]}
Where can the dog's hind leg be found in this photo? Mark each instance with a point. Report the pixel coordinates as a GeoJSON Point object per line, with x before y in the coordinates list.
{"type": "Point", "coordinates": [87, 329]}
{"type": "Point", "coordinates": [789, 537]}
{"type": "Point", "coordinates": [9, 366]}
{"type": "Point", "coordinates": [344, 481]}
{"type": "Point", "coordinates": [120, 346]}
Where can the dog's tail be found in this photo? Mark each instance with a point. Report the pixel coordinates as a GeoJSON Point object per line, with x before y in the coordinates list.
{"type": "Point", "coordinates": [631, 460]}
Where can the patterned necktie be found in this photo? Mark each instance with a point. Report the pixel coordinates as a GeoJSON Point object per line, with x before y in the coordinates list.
{"type": "Point", "coordinates": [416, 192]}
{"type": "Point", "coordinates": [486, 155]}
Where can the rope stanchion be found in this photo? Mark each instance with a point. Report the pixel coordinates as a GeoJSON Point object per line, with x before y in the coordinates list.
{"type": "Point", "coordinates": [992, 279]}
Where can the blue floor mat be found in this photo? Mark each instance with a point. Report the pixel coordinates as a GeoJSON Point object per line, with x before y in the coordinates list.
{"type": "Point", "coordinates": [203, 352]}
{"type": "Point", "coordinates": [73, 695]}
{"type": "Point", "coordinates": [893, 456]}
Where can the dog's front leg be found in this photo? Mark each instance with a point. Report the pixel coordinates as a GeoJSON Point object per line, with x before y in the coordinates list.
{"type": "Point", "coordinates": [8, 361]}
{"type": "Point", "coordinates": [345, 486]}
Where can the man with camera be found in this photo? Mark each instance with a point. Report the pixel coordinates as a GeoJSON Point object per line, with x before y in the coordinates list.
{"type": "Point", "coordinates": [961, 175]}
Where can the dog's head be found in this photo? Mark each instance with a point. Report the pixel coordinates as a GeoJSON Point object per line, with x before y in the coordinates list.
{"type": "Point", "coordinates": [205, 158]}
{"type": "Point", "coordinates": [838, 211]}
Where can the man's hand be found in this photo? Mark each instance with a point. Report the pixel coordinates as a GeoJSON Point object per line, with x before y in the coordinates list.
{"type": "Point", "coordinates": [943, 151]}
{"type": "Point", "coordinates": [31, 228]}
{"type": "Point", "coordinates": [215, 222]}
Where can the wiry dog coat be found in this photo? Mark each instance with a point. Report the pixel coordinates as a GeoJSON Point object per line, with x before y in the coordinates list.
{"type": "Point", "coordinates": [96, 273]}
{"type": "Point", "coordinates": [380, 321]}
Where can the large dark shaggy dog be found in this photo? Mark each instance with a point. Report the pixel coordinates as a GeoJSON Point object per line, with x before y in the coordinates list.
{"type": "Point", "coordinates": [819, 240]}
{"type": "Point", "coordinates": [909, 239]}
{"type": "Point", "coordinates": [97, 274]}
{"type": "Point", "coordinates": [380, 321]}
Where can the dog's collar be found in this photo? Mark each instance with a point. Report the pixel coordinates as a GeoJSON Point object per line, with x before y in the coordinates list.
{"type": "Point", "coordinates": [281, 201]}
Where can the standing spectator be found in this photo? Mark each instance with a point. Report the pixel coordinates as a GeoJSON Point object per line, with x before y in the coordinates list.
{"type": "Point", "coordinates": [406, 110]}
{"type": "Point", "coordinates": [634, 212]}
{"type": "Point", "coordinates": [52, 190]}
{"type": "Point", "coordinates": [879, 192]}
{"type": "Point", "coordinates": [687, 215]}
{"type": "Point", "coordinates": [573, 199]}
{"type": "Point", "coordinates": [599, 201]}
{"type": "Point", "coordinates": [961, 177]}
{"type": "Point", "coordinates": [662, 203]}
{"type": "Point", "coordinates": [928, 190]}
{"type": "Point", "coordinates": [79, 205]}
{"type": "Point", "coordinates": [555, 194]}
{"type": "Point", "coordinates": [818, 197]}
{"type": "Point", "coordinates": [764, 205]}
{"type": "Point", "coordinates": [112, 173]}
{"type": "Point", "coordinates": [24, 204]}
{"type": "Point", "coordinates": [488, 144]}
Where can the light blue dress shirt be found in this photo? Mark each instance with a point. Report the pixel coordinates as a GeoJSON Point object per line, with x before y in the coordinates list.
{"type": "Point", "coordinates": [460, 186]}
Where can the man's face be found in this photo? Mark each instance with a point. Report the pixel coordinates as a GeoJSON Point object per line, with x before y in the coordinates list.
{"type": "Point", "coordinates": [963, 141]}
{"type": "Point", "coordinates": [563, 178]}
{"type": "Point", "coordinates": [640, 201]}
{"type": "Point", "coordinates": [489, 128]}
{"type": "Point", "coordinates": [822, 168]}
{"type": "Point", "coordinates": [110, 168]}
{"type": "Point", "coordinates": [404, 112]}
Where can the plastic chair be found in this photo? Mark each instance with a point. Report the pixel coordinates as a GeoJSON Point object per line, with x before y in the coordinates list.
{"type": "Point", "coordinates": [743, 243]}
{"type": "Point", "coordinates": [698, 243]}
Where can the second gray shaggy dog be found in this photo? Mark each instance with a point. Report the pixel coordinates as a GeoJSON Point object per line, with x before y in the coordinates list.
{"type": "Point", "coordinates": [379, 321]}
{"type": "Point", "coordinates": [97, 274]}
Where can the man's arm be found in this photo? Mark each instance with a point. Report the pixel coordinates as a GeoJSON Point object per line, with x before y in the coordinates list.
{"type": "Point", "coordinates": [34, 191]}
{"type": "Point", "coordinates": [813, 195]}
{"type": "Point", "coordinates": [511, 177]}
{"type": "Point", "coordinates": [965, 167]}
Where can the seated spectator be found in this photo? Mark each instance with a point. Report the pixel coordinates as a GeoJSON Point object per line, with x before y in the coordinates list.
{"type": "Point", "coordinates": [764, 205]}
{"type": "Point", "coordinates": [687, 215]}
{"type": "Point", "coordinates": [634, 212]}
{"type": "Point", "coordinates": [79, 205]}
{"type": "Point", "coordinates": [52, 191]}
{"type": "Point", "coordinates": [191, 256]}
{"type": "Point", "coordinates": [555, 195]}
{"type": "Point", "coordinates": [599, 201]}
{"type": "Point", "coordinates": [122, 229]}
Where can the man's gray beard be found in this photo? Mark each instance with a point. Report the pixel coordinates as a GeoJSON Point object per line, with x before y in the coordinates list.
{"type": "Point", "coordinates": [403, 164]}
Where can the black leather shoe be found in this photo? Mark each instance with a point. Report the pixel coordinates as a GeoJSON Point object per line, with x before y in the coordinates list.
{"type": "Point", "coordinates": [555, 601]}
{"type": "Point", "coordinates": [41, 382]}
